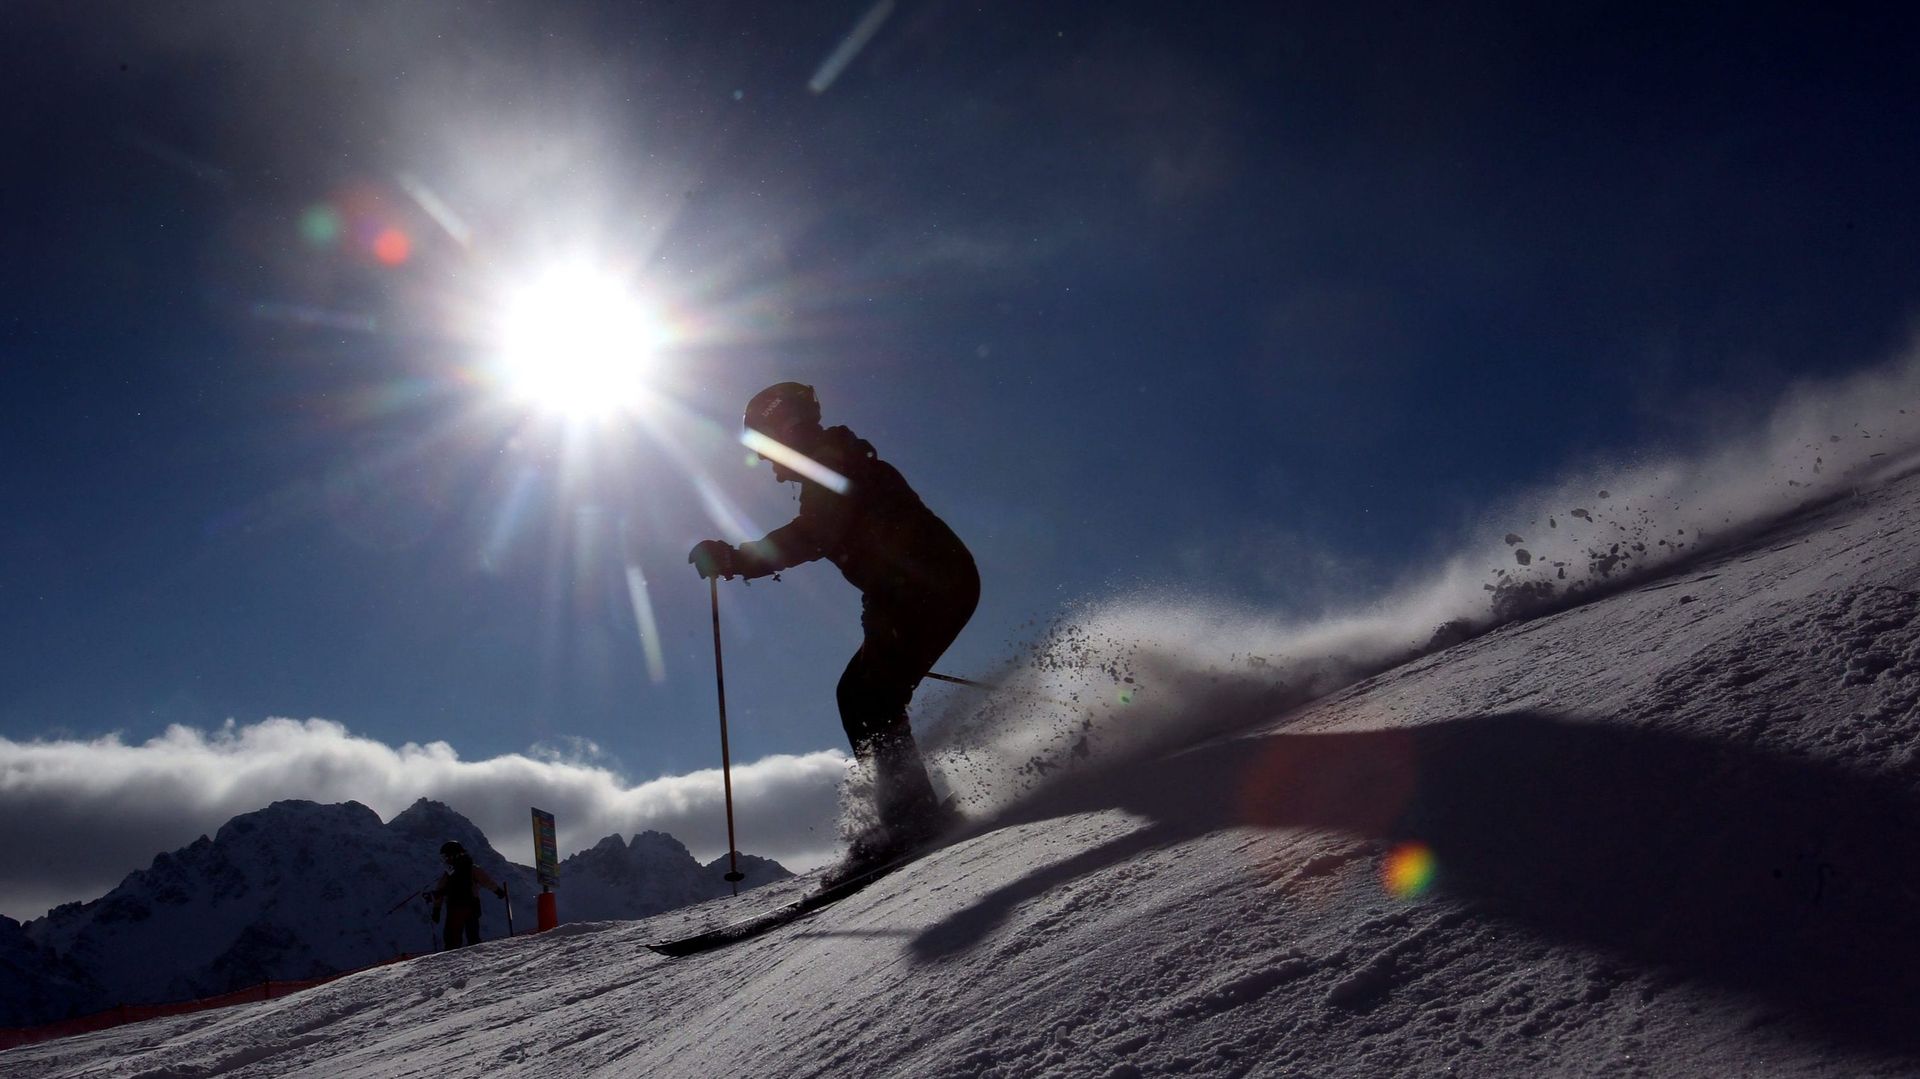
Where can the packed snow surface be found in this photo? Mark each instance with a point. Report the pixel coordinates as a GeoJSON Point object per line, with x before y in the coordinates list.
{"type": "Point", "coordinates": [1661, 829]}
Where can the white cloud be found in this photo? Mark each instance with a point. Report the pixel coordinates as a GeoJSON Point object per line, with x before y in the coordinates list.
{"type": "Point", "coordinates": [77, 816]}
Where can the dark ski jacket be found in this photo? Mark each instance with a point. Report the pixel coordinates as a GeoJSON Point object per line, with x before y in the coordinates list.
{"type": "Point", "coordinates": [460, 885]}
{"type": "Point", "coordinates": [885, 541]}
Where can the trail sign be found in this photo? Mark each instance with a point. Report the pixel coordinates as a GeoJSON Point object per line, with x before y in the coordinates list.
{"type": "Point", "coordinates": [546, 850]}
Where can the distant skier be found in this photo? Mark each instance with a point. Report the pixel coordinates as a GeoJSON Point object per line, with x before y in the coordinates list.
{"type": "Point", "coordinates": [458, 889]}
{"type": "Point", "coordinates": [918, 587]}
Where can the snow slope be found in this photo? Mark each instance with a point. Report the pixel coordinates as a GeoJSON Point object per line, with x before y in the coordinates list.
{"type": "Point", "coordinates": [1668, 830]}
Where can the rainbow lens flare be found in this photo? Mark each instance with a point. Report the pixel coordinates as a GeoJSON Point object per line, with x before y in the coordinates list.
{"type": "Point", "coordinates": [1408, 870]}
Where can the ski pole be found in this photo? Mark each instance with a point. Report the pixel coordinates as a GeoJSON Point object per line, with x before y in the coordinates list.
{"type": "Point", "coordinates": [961, 681]}
{"type": "Point", "coordinates": [734, 876]}
{"type": "Point", "coordinates": [507, 898]}
{"type": "Point", "coordinates": [995, 686]}
{"type": "Point", "coordinates": [436, 937]}
{"type": "Point", "coordinates": [411, 896]}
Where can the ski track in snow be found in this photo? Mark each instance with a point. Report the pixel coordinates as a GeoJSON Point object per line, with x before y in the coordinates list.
{"type": "Point", "coordinates": [1668, 822]}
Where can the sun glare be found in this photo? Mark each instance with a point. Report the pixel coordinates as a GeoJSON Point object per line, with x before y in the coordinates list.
{"type": "Point", "coordinates": [578, 342]}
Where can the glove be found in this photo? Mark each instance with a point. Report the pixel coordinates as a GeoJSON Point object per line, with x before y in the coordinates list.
{"type": "Point", "coordinates": [436, 915]}
{"type": "Point", "coordinates": [500, 893]}
{"type": "Point", "coordinates": [713, 558]}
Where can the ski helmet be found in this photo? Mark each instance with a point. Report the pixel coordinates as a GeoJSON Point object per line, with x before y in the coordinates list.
{"type": "Point", "coordinates": [781, 407]}
{"type": "Point", "coordinates": [450, 848]}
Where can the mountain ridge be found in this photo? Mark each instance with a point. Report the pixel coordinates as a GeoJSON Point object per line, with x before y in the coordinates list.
{"type": "Point", "coordinates": [300, 889]}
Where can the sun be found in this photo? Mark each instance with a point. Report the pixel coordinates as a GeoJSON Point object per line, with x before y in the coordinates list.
{"type": "Point", "coordinates": [578, 341]}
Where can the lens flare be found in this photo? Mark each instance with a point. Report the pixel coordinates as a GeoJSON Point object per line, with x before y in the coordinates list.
{"type": "Point", "coordinates": [1408, 871]}
{"type": "Point", "coordinates": [436, 208]}
{"type": "Point", "coordinates": [793, 459]}
{"type": "Point", "coordinates": [850, 46]}
{"type": "Point", "coordinates": [392, 246]}
{"type": "Point", "coordinates": [320, 226]}
{"type": "Point", "coordinates": [649, 628]}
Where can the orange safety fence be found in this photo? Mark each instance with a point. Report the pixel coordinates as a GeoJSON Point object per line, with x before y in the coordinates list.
{"type": "Point", "coordinates": [134, 1013]}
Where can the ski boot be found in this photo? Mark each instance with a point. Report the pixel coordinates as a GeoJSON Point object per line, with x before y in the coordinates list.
{"type": "Point", "coordinates": [909, 816]}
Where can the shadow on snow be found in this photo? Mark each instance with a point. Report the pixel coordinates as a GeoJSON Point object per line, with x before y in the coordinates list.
{"type": "Point", "coordinates": [1789, 878]}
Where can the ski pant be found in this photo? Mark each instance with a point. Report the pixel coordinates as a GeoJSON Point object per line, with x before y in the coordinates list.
{"type": "Point", "coordinates": [463, 920]}
{"type": "Point", "coordinates": [904, 637]}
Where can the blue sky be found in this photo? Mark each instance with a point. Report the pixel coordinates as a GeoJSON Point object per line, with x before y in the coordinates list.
{"type": "Point", "coordinates": [1266, 303]}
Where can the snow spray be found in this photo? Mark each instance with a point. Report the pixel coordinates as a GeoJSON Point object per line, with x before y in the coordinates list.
{"type": "Point", "coordinates": [1114, 679]}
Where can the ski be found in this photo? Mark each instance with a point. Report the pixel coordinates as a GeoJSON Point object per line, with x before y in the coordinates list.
{"type": "Point", "coordinates": [786, 914]}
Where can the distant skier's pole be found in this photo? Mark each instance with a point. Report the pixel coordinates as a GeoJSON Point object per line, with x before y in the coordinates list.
{"type": "Point", "coordinates": [436, 941]}
{"type": "Point", "coordinates": [734, 876]}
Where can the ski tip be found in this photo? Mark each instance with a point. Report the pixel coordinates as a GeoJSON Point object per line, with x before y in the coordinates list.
{"type": "Point", "coordinates": [721, 936]}
{"type": "Point", "coordinates": [830, 890]}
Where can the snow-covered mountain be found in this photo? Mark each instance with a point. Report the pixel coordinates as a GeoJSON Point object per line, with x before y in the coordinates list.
{"type": "Point", "coordinates": [615, 879]}
{"type": "Point", "coordinates": [1664, 831]}
{"type": "Point", "coordinates": [36, 983]}
{"type": "Point", "coordinates": [301, 890]}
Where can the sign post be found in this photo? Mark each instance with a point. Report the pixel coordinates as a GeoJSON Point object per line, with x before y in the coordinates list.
{"type": "Point", "coordinates": [546, 865]}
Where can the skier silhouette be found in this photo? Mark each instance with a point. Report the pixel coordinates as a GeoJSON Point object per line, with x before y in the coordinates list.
{"type": "Point", "coordinates": [918, 587]}
{"type": "Point", "coordinates": [458, 890]}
